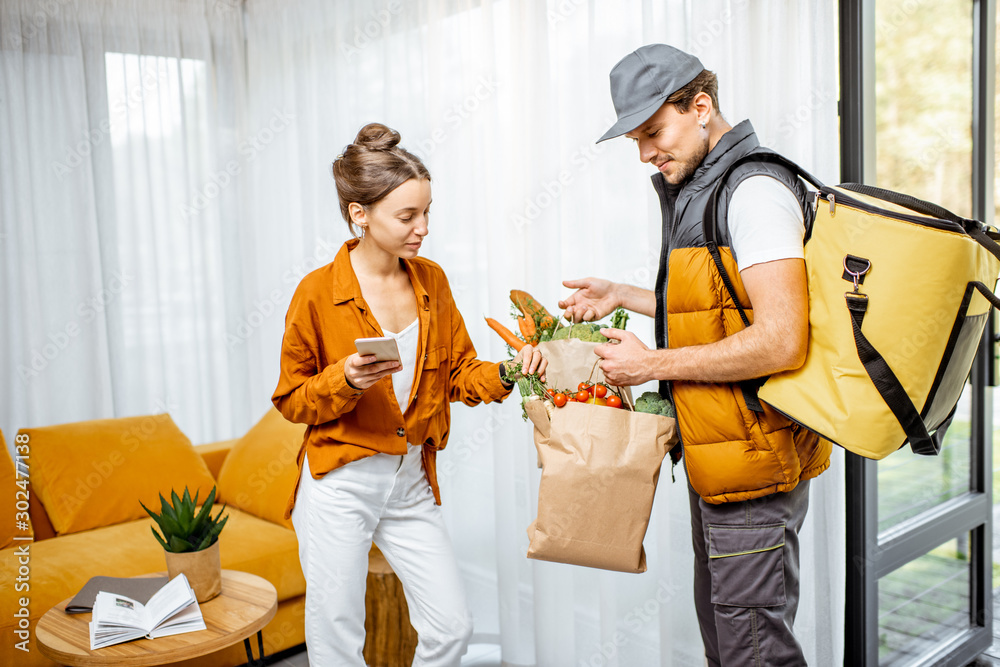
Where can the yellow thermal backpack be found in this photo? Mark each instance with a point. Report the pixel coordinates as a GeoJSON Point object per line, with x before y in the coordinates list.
{"type": "Point", "coordinates": [899, 295]}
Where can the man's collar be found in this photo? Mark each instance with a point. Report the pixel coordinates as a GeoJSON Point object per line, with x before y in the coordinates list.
{"type": "Point", "coordinates": [739, 140]}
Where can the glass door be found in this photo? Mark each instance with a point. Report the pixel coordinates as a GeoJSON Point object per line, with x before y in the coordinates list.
{"type": "Point", "coordinates": [917, 117]}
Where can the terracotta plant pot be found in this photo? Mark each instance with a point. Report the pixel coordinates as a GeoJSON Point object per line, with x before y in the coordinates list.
{"type": "Point", "coordinates": [203, 570]}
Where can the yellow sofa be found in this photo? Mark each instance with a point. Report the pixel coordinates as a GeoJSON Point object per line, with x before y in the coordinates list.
{"type": "Point", "coordinates": [86, 480]}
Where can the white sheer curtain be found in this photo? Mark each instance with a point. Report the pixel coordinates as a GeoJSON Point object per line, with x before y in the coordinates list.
{"type": "Point", "coordinates": [504, 101]}
{"type": "Point", "coordinates": [121, 260]}
{"type": "Point", "coordinates": [209, 196]}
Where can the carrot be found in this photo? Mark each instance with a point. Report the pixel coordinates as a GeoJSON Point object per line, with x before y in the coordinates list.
{"type": "Point", "coordinates": [528, 305]}
{"type": "Point", "coordinates": [505, 333]}
{"type": "Point", "coordinates": [527, 326]}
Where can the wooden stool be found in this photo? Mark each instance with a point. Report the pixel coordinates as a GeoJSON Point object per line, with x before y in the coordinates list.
{"type": "Point", "coordinates": [390, 640]}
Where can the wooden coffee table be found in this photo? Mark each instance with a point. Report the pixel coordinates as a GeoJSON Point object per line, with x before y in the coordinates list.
{"type": "Point", "coordinates": [245, 605]}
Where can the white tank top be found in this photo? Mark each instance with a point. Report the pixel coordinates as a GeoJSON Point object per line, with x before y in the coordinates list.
{"type": "Point", "coordinates": [402, 380]}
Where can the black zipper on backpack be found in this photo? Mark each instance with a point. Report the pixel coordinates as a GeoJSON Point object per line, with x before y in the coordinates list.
{"type": "Point", "coordinates": [839, 197]}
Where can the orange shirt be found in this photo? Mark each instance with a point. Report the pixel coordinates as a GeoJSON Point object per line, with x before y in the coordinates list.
{"type": "Point", "coordinates": [326, 314]}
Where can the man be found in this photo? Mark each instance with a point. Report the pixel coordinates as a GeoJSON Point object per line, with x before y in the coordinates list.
{"type": "Point", "coordinates": [748, 467]}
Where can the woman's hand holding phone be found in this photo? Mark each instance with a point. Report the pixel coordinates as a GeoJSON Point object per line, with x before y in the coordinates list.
{"type": "Point", "coordinates": [364, 371]}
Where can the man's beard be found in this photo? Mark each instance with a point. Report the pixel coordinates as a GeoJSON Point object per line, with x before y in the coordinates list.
{"type": "Point", "coordinates": [687, 168]}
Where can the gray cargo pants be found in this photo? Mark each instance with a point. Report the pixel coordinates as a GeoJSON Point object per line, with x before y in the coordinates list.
{"type": "Point", "coordinates": [746, 578]}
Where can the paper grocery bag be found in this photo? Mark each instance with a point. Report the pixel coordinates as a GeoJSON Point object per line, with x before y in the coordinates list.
{"type": "Point", "coordinates": [571, 362]}
{"type": "Point", "coordinates": [600, 466]}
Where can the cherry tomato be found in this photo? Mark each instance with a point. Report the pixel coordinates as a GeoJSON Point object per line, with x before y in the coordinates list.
{"type": "Point", "coordinates": [600, 391]}
{"type": "Point", "coordinates": [614, 401]}
{"type": "Point", "coordinates": [552, 392]}
{"type": "Point", "coordinates": [582, 386]}
{"type": "Point", "coordinates": [561, 399]}
{"type": "Point", "coordinates": [582, 396]}
{"type": "Point", "coordinates": [597, 401]}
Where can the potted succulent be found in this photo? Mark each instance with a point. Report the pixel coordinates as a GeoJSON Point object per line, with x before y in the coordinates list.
{"type": "Point", "coordinates": [190, 541]}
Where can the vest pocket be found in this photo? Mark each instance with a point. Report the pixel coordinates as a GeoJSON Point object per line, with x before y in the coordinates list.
{"type": "Point", "coordinates": [747, 565]}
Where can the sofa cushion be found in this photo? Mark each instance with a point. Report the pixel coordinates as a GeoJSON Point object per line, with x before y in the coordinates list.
{"type": "Point", "coordinates": [14, 521]}
{"type": "Point", "coordinates": [259, 473]}
{"type": "Point", "coordinates": [94, 473]}
{"type": "Point", "coordinates": [62, 565]}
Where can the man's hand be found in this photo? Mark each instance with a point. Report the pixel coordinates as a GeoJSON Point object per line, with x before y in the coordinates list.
{"type": "Point", "coordinates": [363, 372]}
{"type": "Point", "coordinates": [625, 360]}
{"type": "Point", "coordinates": [593, 299]}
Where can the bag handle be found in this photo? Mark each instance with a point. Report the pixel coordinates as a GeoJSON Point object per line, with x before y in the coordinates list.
{"type": "Point", "coordinates": [974, 228]}
{"type": "Point", "coordinates": [626, 400]}
{"type": "Point", "coordinates": [907, 201]}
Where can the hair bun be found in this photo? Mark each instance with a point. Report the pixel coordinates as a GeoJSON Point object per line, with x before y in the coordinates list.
{"type": "Point", "coordinates": [378, 137]}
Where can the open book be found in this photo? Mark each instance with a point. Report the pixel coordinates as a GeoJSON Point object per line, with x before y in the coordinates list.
{"type": "Point", "coordinates": [171, 611]}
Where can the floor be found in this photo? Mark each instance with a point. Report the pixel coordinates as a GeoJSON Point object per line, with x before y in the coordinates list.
{"type": "Point", "coordinates": [479, 655]}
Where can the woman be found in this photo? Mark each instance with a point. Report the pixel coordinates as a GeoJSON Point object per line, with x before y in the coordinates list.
{"type": "Point", "coordinates": [375, 427]}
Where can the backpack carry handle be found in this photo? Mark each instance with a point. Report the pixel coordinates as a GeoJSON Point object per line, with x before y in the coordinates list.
{"type": "Point", "coordinates": [908, 201]}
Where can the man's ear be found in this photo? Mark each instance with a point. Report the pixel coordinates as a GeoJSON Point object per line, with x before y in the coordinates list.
{"type": "Point", "coordinates": [358, 214]}
{"type": "Point", "coordinates": [702, 105]}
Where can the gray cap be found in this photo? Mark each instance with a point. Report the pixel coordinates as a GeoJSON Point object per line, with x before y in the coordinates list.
{"type": "Point", "coordinates": [643, 80]}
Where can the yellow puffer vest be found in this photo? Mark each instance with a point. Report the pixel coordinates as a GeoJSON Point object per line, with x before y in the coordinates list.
{"type": "Point", "coordinates": [732, 453]}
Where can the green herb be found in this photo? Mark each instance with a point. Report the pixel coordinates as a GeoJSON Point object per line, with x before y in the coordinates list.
{"type": "Point", "coordinates": [528, 384]}
{"type": "Point", "coordinates": [619, 319]}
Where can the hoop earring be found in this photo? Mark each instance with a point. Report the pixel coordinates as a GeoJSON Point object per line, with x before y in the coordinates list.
{"type": "Point", "coordinates": [363, 229]}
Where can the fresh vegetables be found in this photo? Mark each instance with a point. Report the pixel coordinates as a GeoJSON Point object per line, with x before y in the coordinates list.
{"type": "Point", "coordinates": [653, 403]}
{"type": "Point", "coordinates": [505, 333]}
{"type": "Point", "coordinates": [619, 318]}
{"type": "Point", "coordinates": [585, 331]}
{"type": "Point", "coordinates": [536, 323]}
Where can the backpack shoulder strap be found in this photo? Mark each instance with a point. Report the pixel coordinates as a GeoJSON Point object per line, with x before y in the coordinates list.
{"type": "Point", "coordinates": [709, 227]}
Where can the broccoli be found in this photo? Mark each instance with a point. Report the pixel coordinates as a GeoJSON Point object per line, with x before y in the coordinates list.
{"type": "Point", "coordinates": [654, 404]}
{"type": "Point", "coordinates": [585, 331]}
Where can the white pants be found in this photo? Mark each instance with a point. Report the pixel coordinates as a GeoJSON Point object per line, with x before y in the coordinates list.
{"type": "Point", "coordinates": [386, 499]}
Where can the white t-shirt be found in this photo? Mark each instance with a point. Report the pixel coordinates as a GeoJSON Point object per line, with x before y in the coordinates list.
{"type": "Point", "coordinates": [765, 222]}
{"type": "Point", "coordinates": [402, 380]}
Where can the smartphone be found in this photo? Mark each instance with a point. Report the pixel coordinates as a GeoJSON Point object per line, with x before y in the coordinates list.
{"type": "Point", "coordinates": [383, 348]}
